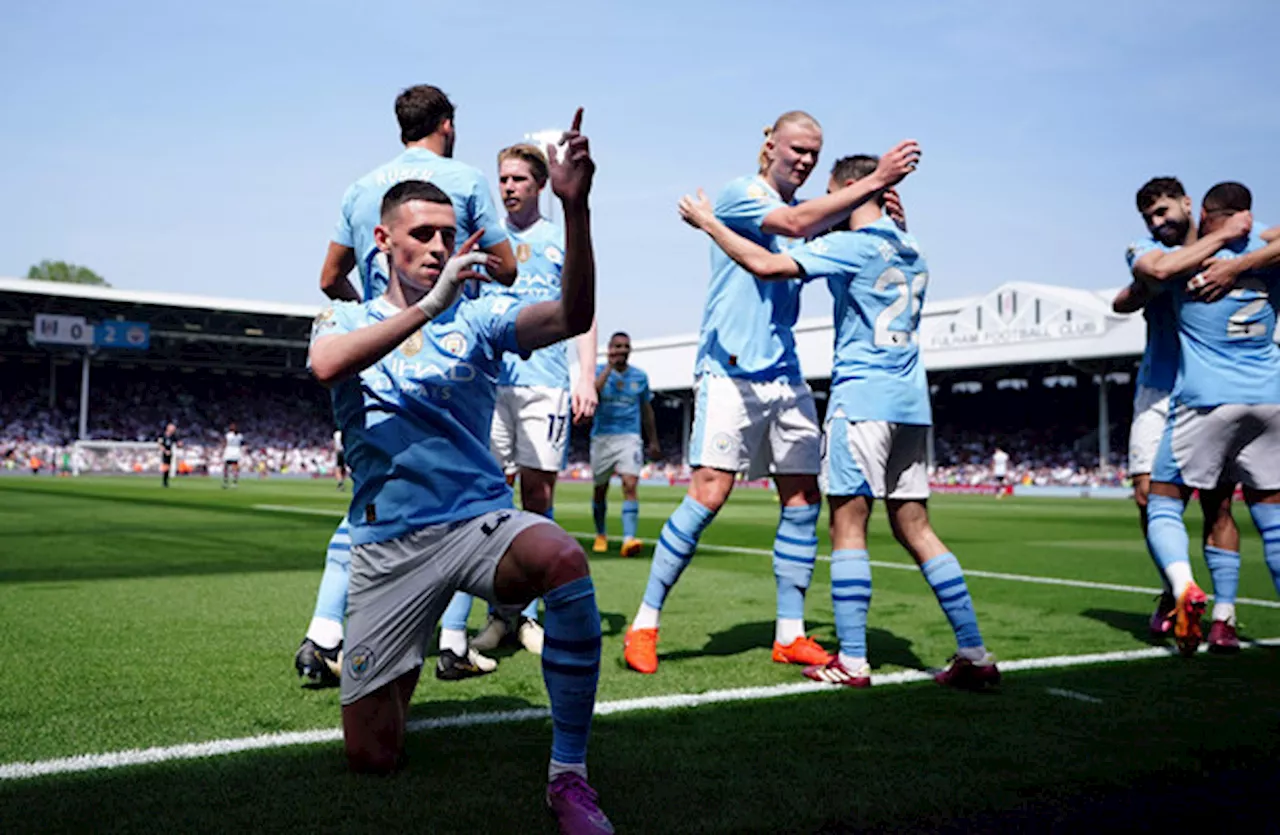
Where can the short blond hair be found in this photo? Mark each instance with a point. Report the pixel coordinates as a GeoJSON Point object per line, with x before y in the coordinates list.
{"type": "Point", "coordinates": [791, 117]}
{"type": "Point", "coordinates": [531, 155]}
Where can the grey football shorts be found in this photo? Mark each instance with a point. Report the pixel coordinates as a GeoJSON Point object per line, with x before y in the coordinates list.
{"type": "Point", "coordinates": [399, 589]}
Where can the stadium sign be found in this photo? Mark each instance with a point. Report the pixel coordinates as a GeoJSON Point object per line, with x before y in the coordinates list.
{"type": "Point", "coordinates": [74, 330]}
{"type": "Point", "coordinates": [63, 330]}
{"type": "Point", "coordinates": [113, 334]}
{"type": "Point", "coordinates": [1015, 314]}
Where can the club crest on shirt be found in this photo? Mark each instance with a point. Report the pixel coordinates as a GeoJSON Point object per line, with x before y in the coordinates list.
{"type": "Point", "coordinates": [455, 343]}
{"type": "Point", "coordinates": [412, 345]}
{"type": "Point", "coordinates": [755, 191]}
{"type": "Point", "coordinates": [523, 252]}
{"type": "Point", "coordinates": [554, 255]}
{"type": "Point", "coordinates": [360, 661]}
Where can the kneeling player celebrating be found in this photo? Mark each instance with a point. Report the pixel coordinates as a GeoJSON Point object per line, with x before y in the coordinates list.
{"type": "Point", "coordinates": [877, 420]}
{"type": "Point", "coordinates": [413, 377]}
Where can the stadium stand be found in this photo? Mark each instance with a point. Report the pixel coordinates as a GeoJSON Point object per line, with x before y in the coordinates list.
{"type": "Point", "coordinates": [1045, 372]}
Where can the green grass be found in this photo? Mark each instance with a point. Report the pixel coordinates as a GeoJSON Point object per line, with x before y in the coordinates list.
{"type": "Point", "coordinates": [135, 616]}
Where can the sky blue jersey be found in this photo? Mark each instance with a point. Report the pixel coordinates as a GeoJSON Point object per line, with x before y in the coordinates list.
{"type": "Point", "coordinates": [747, 325]}
{"type": "Point", "coordinates": [878, 278]}
{"type": "Point", "coordinates": [620, 402]}
{"type": "Point", "coordinates": [1159, 366]}
{"type": "Point", "coordinates": [1229, 354]}
{"type": "Point", "coordinates": [415, 424]}
{"type": "Point", "coordinates": [362, 208]}
{"type": "Point", "coordinates": [539, 252]}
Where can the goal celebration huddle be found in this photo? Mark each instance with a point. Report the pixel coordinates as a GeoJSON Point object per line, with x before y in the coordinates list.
{"type": "Point", "coordinates": [450, 379]}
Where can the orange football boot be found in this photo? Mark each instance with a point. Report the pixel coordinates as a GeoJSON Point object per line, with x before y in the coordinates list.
{"type": "Point", "coordinates": [803, 650]}
{"type": "Point", "coordinates": [640, 649]}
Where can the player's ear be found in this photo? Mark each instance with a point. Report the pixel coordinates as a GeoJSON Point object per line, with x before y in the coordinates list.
{"type": "Point", "coordinates": [382, 237]}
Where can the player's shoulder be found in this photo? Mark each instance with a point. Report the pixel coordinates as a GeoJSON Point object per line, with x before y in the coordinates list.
{"type": "Point", "coordinates": [340, 316]}
{"type": "Point", "coordinates": [748, 187]}
{"type": "Point", "coordinates": [1142, 246]}
{"type": "Point", "coordinates": [487, 306]}
{"type": "Point", "coordinates": [842, 245]}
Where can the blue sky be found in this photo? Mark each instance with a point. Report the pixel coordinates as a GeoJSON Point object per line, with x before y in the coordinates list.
{"type": "Point", "coordinates": [204, 149]}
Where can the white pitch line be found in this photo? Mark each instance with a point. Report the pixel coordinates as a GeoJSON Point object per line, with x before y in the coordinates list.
{"type": "Point", "coordinates": [1072, 694]}
{"type": "Point", "coordinates": [896, 566]}
{"type": "Point", "coordinates": [222, 747]}
{"type": "Point", "coordinates": [989, 575]}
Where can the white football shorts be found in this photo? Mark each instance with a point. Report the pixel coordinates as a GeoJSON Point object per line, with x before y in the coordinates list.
{"type": "Point", "coordinates": [758, 428]}
{"type": "Point", "coordinates": [875, 458]}
{"type": "Point", "coordinates": [1150, 414]}
{"type": "Point", "coordinates": [621, 454]}
{"type": "Point", "coordinates": [530, 428]}
{"type": "Point", "coordinates": [1232, 443]}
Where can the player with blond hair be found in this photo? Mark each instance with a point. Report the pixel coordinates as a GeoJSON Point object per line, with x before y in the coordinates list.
{"type": "Point", "coordinates": [754, 412]}
{"type": "Point", "coordinates": [529, 435]}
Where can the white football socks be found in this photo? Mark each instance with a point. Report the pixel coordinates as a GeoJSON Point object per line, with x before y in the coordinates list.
{"type": "Point", "coordinates": [647, 617]}
{"type": "Point", "coordinates": [454, 640]}
{"type": "Point", "coordinates": [788, 630]}
{"type": "Point", "coordinates": [326, 633]}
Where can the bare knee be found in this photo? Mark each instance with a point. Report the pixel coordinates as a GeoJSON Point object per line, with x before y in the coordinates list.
{"type": "Point", "coordinates": [711, 488]}
{"type": "Point", "coordinates": [540, 559]}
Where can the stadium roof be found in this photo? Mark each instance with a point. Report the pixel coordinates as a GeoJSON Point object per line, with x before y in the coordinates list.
{"type": "Point", "coordinates": [144, 299]}
{"type": "Point", "coordinates": [1017, 323]}
{"type": "Point", "coordinates": [186, 330]}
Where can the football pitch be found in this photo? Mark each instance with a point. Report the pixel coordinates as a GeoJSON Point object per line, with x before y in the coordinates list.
{"type": "Point", "coordinates": [148, 682]}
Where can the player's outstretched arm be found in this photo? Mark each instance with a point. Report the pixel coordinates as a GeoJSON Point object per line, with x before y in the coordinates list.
{"type": "Point", "coordinates": [503, 263]}
{"type": "Point", "coordinates": [339, 261]}
{"type": "Point", "coordinates": [815, 216]}
{"type": "Point", "coordinates": [586, 395]}
{"type": "Point", "coordinates": [755, 259]}
{"type": "Point", "coordinates": [340, 356]}
{"type": "Point", "coordinates": [650, 430]}
{"type": "Point", "coordinates": [1163, 266]}
{"type": "Point", "coordinates": [546, 323]}
{"type": "Point", "coordinates": [1220, 274]}
{"type": "Point", "coordinates": [603, 377]}
{"type": "Point", "coordinates": [1133, 298]}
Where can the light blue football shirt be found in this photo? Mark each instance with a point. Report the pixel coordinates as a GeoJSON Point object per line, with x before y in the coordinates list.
{"type": "Point", "coordinates": [539, 252]}
{"type": "Point", "coordinates": [878, 278]}
{"type": "Point", "coordinates": [1229, 354]}
{"type": "Point", "coordinates": [362, 208]}
{"type": "Point", "coordinates": [1159, 366]}
{"type": "Point", "coordinates": [620, 402]}
{"type": "Point", "coordinates": [747, 324]}
{"type": "Point", "coordinates": [415, 424]}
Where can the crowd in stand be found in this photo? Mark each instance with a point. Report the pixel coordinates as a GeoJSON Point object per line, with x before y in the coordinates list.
{"type": "Point", "coordinates": [286, 422]}
{"type": "Point", "coordinates": [288, 430]}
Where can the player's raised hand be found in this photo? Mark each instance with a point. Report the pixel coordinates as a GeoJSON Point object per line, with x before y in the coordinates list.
{"type": "Point", "coordinates": [572, 169]}
{"type": "Point", "coordinates": [893, 206]}
{"type": "Point", "coordinates": [457, 269]}
{"type": "Point", "coordinates": [584, 400]}
{"type": "Point", "coordinates": [697, 211]}
{"type": "Point", "coordinates": [1238, 225]}
{"type": "Point", "coordinates": [900, 161]}
{"type": "Point", "coordinates": [1215, 281]}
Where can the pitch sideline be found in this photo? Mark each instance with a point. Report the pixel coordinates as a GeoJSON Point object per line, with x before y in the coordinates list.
{"type": "Point", "coordinates": [223, 747]}
{"type": "Point", "coordinates": [734, 549]}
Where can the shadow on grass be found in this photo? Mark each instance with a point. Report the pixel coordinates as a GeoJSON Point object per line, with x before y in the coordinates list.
{"type": "Point", "coordinates": [1134, 623]}
{"type": "Point", "coordinates": [911, 759]}
{"type": "Point", "coordinates": [883, 647]}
